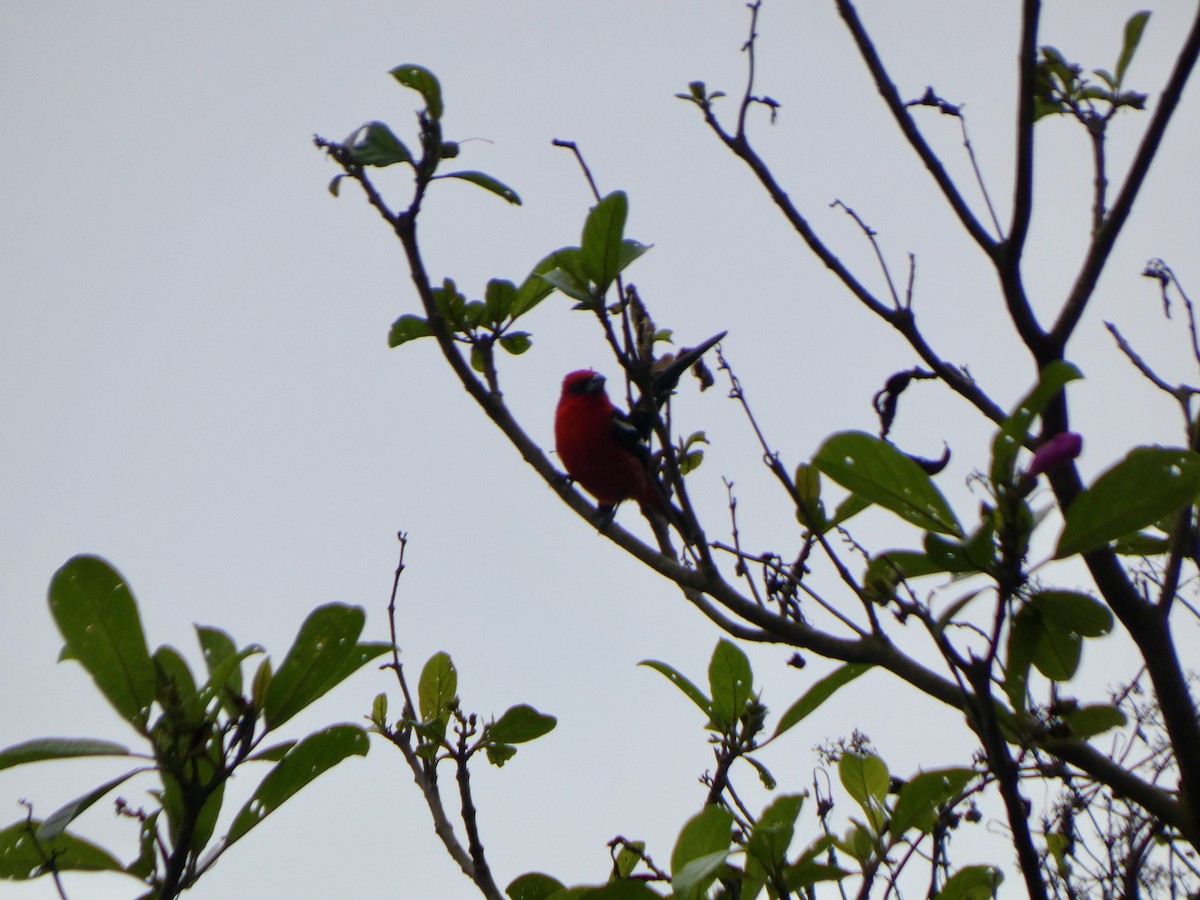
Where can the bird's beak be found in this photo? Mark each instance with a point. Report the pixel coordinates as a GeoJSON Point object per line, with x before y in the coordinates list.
{"type": "Point", "coordinates": [595, 384]}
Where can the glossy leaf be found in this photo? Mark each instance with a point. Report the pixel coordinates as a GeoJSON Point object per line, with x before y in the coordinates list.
{"type": "Point", "coordinates": [488, 183]}
{"type": "Point", "coordinates": [879, 472]}
{"type": "Point", "coordinates": [408, 328]}
{"type": "Point", "coordinates": [425, 83]}
{"type": "Point", "coordinates": [1150, 483]}
{"type": "Point", "coordinates": [437, 688]}
{"type": "Point", "coordinates": [603, 232]}
{"type": "Point", "coordinates": [521, 724]}
{"type": "Point", "coordinates": [98, 618]}
{"type": "Point", "coordinates": [1015, 429]}
{"type": "Point", "coordinates": [324, 654]}
{"type": "Point", "coordinates": [676, 678]}
{"type": "Point", "coordinates": [21, 859]}
{"type": "Point", "coordinates": [57, 748]}
{"type": "Point", "coordinates": [818, 694]}
{"type": "Point", "coordinates": [376, 145]}
{"type": "Point", "coordinates": [922, 797]}
{"type": "Point", "coordinates": [305, 762]}
{"type": "Point", "coordinates": [1080, 613]}
{"type": "Point", "coordinates": [533, 886]}
{"type": "Point", "coordinates": [731, 682]}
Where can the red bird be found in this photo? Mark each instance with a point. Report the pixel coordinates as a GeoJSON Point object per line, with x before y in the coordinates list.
{"type": "Point", "coordinates": [599, 446]}
{"type": "Point", "coordinates": [604, 449]}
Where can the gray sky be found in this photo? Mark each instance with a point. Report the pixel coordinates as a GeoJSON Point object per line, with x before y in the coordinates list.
{"type": "Point", "coordinates": [196, 382]}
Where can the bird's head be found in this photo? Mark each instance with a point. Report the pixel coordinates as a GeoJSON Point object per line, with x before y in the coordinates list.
{"type": "Point", "coordinates": [584, 381]}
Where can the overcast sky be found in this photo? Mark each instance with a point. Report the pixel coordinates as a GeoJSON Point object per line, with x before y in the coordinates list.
{"type": "Point", "coordinates": [196, 382]}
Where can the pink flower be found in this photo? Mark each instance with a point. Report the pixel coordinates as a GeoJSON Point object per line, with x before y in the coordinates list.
{"type": "Point", "coordinates": [1057, 451]}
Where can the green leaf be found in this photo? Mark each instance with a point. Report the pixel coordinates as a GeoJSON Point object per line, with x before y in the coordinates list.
{"type": "Point", "coordinates": [773, 832]}
{"type": "Point", "coordinates": [818, 694]}
{"type": "Point", "coordinates": [57, 748]}
{"type": "Point", "coordinates": [98, 618]}
{"type": "Point", "coordinates": [324, 654]}
{"type": "Point", "coordinates": [1014, 431]}
{"type": "Point", "coordinates": [516, 342]}
{"type": "Point", "coordinates": [1148, 484]}
{"type": "Point", "coordinates": [1089, 721]}
{"type": "Point", "coordinates": [879, 472]}
{"type": "Point", "coordinates": [923, 796]}
{"type": "Point", "coordinates": [274, 753]}
{"type": "Point", "coordinates": [1022, 638]}
{"type": "Point", "coordinates": [57, 823]}
{"type": "Point", "coordinates": [500, 296]}
{"type": "Point", "coordinates": [810, 512]}
{"type": "Point", "coordinates": [865, 777]}
{"type": "Point", "coordinates": [602, 236]}
{"type": "Point", "coordinates": [408, 328]}
{"type": "Point", "coordinates": [705, 839]}
{"type": "Point", "coordinates": [423, 82]}
{"type": "Point", "coordinates": [533, 886]}
{"type": "Point", "coordinates": [972, 883]}
{"type": "Point", "coordinates": [1133, 36]}
{"type": "Point", "coordinates": [1053, 649]}
{"type": "Point", "coordinates": [627, 889]}
{"type": "Point", "coordinates": [1071, 611]}
{"type": "Point", "coordinates": [437, 689]}
{"type": "Point", "coordinates": [177, 692]}
{"type": "Point", "coordinates": [22, 859]}
{"type": "Point", "coordinates": [378, 146]}
{"type": "Point", "coordinates": [534, 289]}
{"type": "Point", "coordinates": [499, 754]}
{"type": "Point", "coordinates": [567, 283]}
{"type": "Point", "coordinates": [521, 724]}
{"type": "Point", "coordinates": [731, 682]}
{"type": "Point", "coordinates": [305, 762]}
{"type": "Point", "coordinates": [488, 183]}
{"type": "Point", "coordinates": [676, 678]}
{"type": "Point", "coordinates": [628, 858]}
{"type": "Point", "coordinates": [224, 664]}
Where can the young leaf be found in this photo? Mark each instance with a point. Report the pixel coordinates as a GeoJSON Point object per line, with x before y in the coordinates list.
{"type": "Point", "coordinates": [422, 81]}
{"type": "Point", "coordinates": [1148, 484]}
{"type": "Point", "coordinates": [378, 146]}
{"type": "Point", "coordinates": [437, 689]}
{"type": "Point", "coordinates": [731, 682]}
{"type": "Point", "coordinates": [676, 678]}
{"type": "Point", "coordinates": [516, 342]}
{"type": "Point", "coordinates": [219, 650]}
{"type": "Point", "coordinates": [408, 328]}
{"type": "Point", "coordinates": [309, 759]}
{"type": "Point", "coordinates": [324, 653]}
{"type": "Point", "coordinates": [603, 233]}
{"type": "Point", "coordinates": [878, 471]}
{"type": "Point", "coordinates": [1015, 429]}
{"type": "Point", "coordinates": [98, 618]}
{"type": "Point", "coordinates": [57, 748]}
{"type": "Point", "coordinates": [497, 754]}
{"type": "Point", "coordinates": [21, 859]}
{"type": "Point", "coordinates": [521, 724]}
{"type": "Point", "coordinates": [818, 694]}
{"type": "Point", "coordinates": [1133, 36]}
{"type": "Point", "coordinates": [488, 183]}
